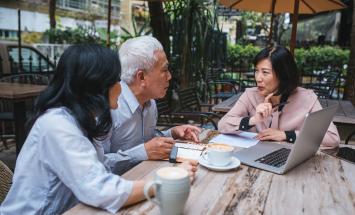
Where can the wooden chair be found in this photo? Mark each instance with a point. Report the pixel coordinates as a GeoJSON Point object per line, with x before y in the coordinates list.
{"type": "Point", "coordinates": [5, 180]}
{"type": "Point", "coordinates": [168, 118]}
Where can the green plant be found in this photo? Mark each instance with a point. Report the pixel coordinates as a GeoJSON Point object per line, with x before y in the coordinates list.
{"type": "Point", "coordinates": [192, 23]}
{"type": "Point", "coordinates": [241, 54]}
{"type": "Point", "coordinates": [320, 58]}
{"type": "Point", "coordinates": [81, 34]}
{"type": "Point", "coordinates": [313, 59]}
{"type": "Point", "coordinates": [143, 30]}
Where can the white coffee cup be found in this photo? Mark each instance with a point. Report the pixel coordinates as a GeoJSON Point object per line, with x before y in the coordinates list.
{"type": "Point", "coordinates": [172, 188]}
{"type": "Point", "coordinates": [218, 154]}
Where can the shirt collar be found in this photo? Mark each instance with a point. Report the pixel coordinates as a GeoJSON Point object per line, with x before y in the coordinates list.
{"type": "Point", "coordinates": [131, 98]}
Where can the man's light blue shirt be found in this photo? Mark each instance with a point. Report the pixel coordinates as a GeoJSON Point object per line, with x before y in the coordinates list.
{"type": "Point", "coordinates": [133, 125]}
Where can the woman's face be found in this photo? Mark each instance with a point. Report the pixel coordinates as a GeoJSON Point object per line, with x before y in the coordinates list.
{"type": "Point", "coordinates": [113, 94]}
{"type": "Point", "coordinates": [265, 78]}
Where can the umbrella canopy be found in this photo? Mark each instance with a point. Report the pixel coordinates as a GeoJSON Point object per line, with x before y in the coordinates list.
{"type": "Point", "coordinates": [285, 6]}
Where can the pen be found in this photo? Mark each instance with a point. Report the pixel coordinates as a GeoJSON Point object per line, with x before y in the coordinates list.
{"type": "Point", "coordinates": [159, 133]}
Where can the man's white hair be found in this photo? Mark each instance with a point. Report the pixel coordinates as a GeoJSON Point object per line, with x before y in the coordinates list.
{"type": "Point", "coordinates": [138, 54]}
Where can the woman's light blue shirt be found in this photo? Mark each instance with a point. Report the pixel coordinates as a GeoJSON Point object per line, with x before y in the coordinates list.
{"type": "Point", "coordinates": [59, 167]}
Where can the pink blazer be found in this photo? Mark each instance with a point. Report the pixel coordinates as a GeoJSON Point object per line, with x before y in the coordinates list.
{"type": "Point", "coordinates": [301, 102]}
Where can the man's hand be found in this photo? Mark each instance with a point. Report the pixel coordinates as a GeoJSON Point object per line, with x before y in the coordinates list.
{"type": "Point", "coordinates": [271, 134]}
{"type": "Point", "coordinates": [187, 132]}
{"type": "Point", "coordinates": [262, 111]}
{"type": "Point", "coordinates": [191, 167]}
{"type": "Point", "coordinates": [159, 148]}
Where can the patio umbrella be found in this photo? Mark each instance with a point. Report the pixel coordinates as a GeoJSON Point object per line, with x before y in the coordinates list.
{"type": "Point", "coordinates": [285, 6]}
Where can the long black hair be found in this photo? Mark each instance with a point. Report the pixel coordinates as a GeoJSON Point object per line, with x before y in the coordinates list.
{"type": "Point", "coordinates": [284, 65]}
{"type": "Point", "coordinates": [81, 83]}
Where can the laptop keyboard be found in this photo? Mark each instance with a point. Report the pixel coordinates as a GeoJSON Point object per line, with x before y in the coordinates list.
{"type": "Point", "coordinates": [277, 158]}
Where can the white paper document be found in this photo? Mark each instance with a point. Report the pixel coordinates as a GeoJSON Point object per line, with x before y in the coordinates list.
{"type": "Point", "coordinates": [242, 139]}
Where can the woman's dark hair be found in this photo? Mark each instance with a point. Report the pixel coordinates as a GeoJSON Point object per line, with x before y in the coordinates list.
{"type": "Point", "coordinates": [81, 83]}
{"type": "Point", "coordinates": [284, 66]}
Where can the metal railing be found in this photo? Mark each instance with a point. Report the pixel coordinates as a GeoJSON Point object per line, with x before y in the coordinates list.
{"type": "Point", "coordinates": [52, 51]}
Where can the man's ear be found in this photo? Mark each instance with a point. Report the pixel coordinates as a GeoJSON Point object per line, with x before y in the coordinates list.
{"type": "Point", "coordinates": [140, 75]}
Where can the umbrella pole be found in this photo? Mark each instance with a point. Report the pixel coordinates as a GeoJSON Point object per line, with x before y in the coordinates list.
{"type": "Point", "coordinates": [294, 26]}
{"type": "Point", "coordinates": [272, 20]}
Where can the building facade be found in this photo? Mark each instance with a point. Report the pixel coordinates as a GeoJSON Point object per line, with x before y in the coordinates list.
{"type": "Point", "coordinates": [69, 13]}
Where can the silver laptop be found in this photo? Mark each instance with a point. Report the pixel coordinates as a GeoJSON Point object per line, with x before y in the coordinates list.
{"type": "Point", "coordinates": [279, 158]}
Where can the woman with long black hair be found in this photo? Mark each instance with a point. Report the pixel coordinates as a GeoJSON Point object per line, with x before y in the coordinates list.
{"type": "Point", "coordinates": [60, 163]}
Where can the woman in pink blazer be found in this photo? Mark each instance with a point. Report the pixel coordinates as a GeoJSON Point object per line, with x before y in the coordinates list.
{"type": "Point", "coordinates": [277, 80]}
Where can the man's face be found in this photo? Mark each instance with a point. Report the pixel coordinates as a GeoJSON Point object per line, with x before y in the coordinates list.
{"type": "Point", "coordinates": [157, 80]}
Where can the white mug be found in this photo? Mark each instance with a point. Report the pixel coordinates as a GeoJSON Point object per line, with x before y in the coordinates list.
{"type": "Point", "coordinates": [218, 154]}
{"type": "Point", "coordinates": [172, 188]}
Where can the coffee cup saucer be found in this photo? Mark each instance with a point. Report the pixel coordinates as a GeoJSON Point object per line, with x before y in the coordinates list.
{"type": "Point", "coordinates": [235, 162]}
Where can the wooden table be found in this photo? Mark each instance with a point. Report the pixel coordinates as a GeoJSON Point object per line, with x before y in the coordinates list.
{"type": "Point", "coordinates": [321, 185]}
{"type": "Point", "coordinates": [18, 94]}
{"type": "Point", "coordinates": [345, 113]}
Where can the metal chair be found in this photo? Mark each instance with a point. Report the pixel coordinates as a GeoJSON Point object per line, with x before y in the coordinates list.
{"type": "Point", "coordinates": [324, 84]}
{"type": "Point", "coordinates": [219, 91]}
{"type": "Point", "coordinates": [349, 137]}
{"type": "Point", "coordinates": [5, 180]}
{"type": "Point", "coordinates": [190, 103]}
{"type": "Point", "coordinates": [168, 118]}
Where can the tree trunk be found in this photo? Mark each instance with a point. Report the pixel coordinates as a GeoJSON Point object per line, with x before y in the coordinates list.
{"type": "Point", "coordinates": [159, 24]}
{"type": "Point", "coordinates": [350, 79]}
{"type": "Point", "coordinates": [52, 22]}
{"type": "Point", "coordinates": [52, 4]}
{"type": "Point", "coordinates": [345, 25]}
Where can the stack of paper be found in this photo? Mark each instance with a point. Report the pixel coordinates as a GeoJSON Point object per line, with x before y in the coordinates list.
{"type": "Point", "coordinates": [242, 139]}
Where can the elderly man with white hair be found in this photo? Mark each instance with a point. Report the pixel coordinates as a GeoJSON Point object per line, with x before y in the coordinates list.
{"type": "Point", "coordinates": [144, 77]}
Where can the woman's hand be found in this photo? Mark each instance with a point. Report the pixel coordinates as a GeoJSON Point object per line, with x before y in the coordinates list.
{"type": "Point", "coordinates": [271, 134]}
{"type": "Point", "coordinates": [191, 167]}
{"type": "Point", "coordinates": [263, 111]}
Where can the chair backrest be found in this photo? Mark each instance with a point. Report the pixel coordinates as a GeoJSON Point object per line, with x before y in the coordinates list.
{"type": "Point", "coordinates": [220, 90]}
{"type": "Point", "coordinates": [189, 100]}
{"type": "Point", "coordinates": [325, 84]}
{"type": "Point", "coordinates": [164, 111]}
{"type": "Point", "coordinates": [5, 180]}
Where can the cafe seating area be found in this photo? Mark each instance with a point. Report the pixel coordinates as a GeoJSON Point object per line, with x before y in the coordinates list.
{"type": "Point", "coordinates": [179, 107]}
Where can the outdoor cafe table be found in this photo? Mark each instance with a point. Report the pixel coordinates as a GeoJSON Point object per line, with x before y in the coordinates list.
{"type": "Point", "coordinates": [344, 115]}
{"type": "Point", "coordinates": [321, 185]}
{"type": "Point", "coordinates": [18, 94]}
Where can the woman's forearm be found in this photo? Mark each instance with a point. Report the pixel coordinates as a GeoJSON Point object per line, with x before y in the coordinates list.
{"type": "Point", "coordinates": [137, 193]}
